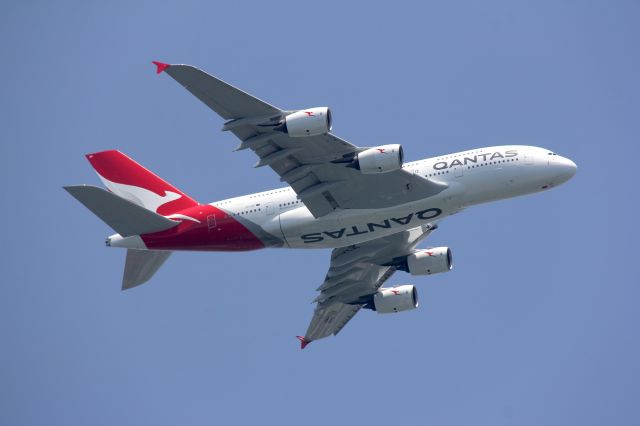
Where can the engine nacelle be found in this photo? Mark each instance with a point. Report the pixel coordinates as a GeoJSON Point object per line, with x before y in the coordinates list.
{"type": "Point", "coordinates": [381, 159]}
{"type": "Point", "coordinates": [308, 122]}
{"type": "Point", "coordinates": [396, 299]}
{"type": "Point", "coordinates": [430, 261]}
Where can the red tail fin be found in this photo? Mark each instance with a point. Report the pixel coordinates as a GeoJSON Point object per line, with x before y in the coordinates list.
{"type": "Point", "coordinates": [128, 179]}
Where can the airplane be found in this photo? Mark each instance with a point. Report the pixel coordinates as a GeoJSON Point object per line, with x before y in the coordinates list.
{"type": "Point", "coordinates": [365, 203]}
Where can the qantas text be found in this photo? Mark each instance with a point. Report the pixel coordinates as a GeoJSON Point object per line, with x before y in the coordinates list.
{"type": "Point", "coordinates": [441, 165]}
{"type": "Point", "coordinates": [422, 215]}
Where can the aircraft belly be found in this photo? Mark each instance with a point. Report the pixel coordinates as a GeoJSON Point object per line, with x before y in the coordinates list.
{"type": "Point", "coordinates": [500, 183]}
{"type": "Point", "coordinates": [297, 222]}
{"type": "Point", "coordinates": [346, 227]}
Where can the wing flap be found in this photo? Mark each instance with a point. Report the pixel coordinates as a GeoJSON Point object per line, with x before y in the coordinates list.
{"type": "Point", "coordinates": [330, 319]}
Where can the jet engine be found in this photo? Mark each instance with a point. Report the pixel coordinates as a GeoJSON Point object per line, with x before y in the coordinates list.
{"type": "Point", "coordinates": [307, 122]}
{"type": "Point", "coordinates": [430, 261]}
{"type": "Point", "coordinates": [395, 299]}
{"type": "Point", "coordinates": [381, 159]}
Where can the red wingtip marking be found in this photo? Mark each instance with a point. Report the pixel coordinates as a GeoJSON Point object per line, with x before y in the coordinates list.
{"type": "Point", "coordinates": [161, 66]}
{"type": "Point", "coordinates": [303, 342]}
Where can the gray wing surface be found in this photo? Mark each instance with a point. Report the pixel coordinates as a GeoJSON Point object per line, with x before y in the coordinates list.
{"type": "Point", "coordinates": [125, 217]}
{"type": "Point", "coordinates": [311, 165]}
{"type": "Point", "coordinates": [227, 101]}
{"type": "Point", "coordinates": [356, 272]}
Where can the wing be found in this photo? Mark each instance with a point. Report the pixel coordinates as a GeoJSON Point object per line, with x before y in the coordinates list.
{"type": "Point", "coordinates": [314, 166]}
{"type": "Point", "coordinates": [355, 274]}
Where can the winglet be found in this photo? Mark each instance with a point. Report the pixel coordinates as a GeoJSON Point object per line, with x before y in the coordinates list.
{"type": "Point", "coordinates": [160, 66]}
{"type": "Point", "coordinates": [303, 342]}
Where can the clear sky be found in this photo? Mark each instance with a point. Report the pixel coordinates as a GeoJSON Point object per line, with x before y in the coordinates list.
{"type": "Point", "coordinates": [536, 324]}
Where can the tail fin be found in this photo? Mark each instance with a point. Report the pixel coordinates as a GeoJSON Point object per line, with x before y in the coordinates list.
{"type": "Point", "coordinates": [141, 265]}
{"type": "Point", "coordinates": [129, 180]}
{"type": "Point", "coordinates": [123, 216]}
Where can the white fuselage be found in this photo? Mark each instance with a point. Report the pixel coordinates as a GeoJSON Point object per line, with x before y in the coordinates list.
{"type": "Point", "coordinates": [473, 177]}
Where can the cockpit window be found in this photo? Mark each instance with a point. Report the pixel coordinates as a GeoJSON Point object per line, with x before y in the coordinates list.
{"type": "Point", "coordinates": [551, 153]}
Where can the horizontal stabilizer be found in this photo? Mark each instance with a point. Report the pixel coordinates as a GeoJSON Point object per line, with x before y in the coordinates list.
{"type": "Point", "coordinates": [141, 265]}
{"type": "Point", "coordinates": [123, 216]}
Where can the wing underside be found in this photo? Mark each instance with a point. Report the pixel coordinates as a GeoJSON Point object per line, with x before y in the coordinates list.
{"type": "Point", "coordinates": [355, 274]}
{"type": "Point", "coordinates": [313, 166]}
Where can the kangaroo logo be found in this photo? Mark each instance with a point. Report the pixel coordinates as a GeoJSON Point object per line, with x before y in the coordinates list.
{"type": "Point", "coordinates": [145, 198]}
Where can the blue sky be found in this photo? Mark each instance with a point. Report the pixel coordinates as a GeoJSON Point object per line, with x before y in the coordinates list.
{"type": "Point", "coordinates": [537, 324]}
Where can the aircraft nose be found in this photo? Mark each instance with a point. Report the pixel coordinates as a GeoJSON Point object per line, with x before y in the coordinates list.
{"type": "Point", "coordinates": [565, 169]}
{"type": "Point", "coordinates": [569, 166]}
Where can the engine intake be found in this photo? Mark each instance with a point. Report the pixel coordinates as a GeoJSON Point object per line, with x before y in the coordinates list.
{"type": "Point", "coordinates": [307, 122]}
{"type": "Point", "coordinates": [381, 159]}
{"type": "Point", "coordinates": [395, 299]}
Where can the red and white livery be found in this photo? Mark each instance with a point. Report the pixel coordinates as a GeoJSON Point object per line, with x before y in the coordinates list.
{"type": "Point", "coordinates": [366, 204]}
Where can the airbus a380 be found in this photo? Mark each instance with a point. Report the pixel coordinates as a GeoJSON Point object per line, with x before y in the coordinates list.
{"type": "Point", "coordinates": [366, 204]}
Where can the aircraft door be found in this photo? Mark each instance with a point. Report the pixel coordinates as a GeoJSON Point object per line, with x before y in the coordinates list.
{"type": "Point", "coordinates": [458, 171]}
{"type": "Point", "coordinates": [211, 222]}
{"type": "Point", "coordinates": [269, 209]}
